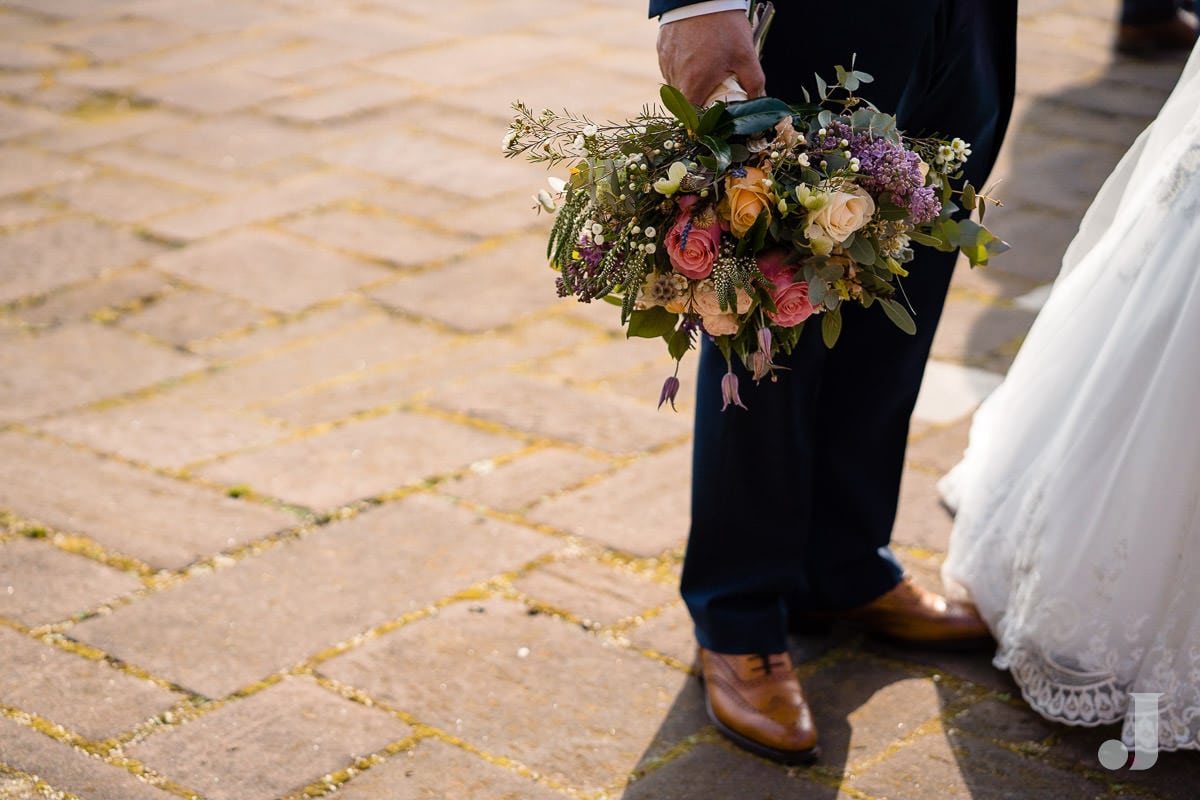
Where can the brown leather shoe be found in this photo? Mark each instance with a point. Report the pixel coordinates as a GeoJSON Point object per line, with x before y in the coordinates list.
{"type": "Point", "coordinates": [1172, 36]}
{"type": "Point", "coordinates": [756, 701]}
{"type": "Point", "coordinates": [912, 615]}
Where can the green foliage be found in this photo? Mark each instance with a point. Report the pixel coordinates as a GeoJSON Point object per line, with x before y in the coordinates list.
{"type": "Point", "coordinates": [831, 327]}
{"type": "Point", "coordinates": [680, 107]}
{"type": "Point", "coordinates": [651, 323]}
{"type": "Point", "coordinates": [899, 315]}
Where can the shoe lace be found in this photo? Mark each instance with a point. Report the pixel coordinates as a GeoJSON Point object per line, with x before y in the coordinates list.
{"type": "Point", "coordinates": [768, 662]}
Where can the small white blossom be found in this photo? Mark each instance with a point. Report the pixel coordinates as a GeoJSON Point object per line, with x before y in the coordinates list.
{"type": "Point", "coordinates": [668, 145]}
{"type": "Point", "coordinates": [589, 130]}
{"type": "Point", "coordinates": [651, 232]}
{"type": "Point", "coordinates": [597, 228]}
{"type": "Point", "coordinates": [635, 230]}
{"type": "Point", "coordinates": [578, 143]}
{"type": "Point", "coordinates": [556, 184]}
{"type": "Point", "coordinates": [598, 238]}
{"type": "Point", "coordinates": [651, 247]}
{"type": "Point", "coordinates": [844, 143]}
{"type": "Point", "coordinates": [543, 199]}
{"type": "Point", "coordinates": [802, 159]}
{"type": "Point", "coordinates": [509, 138]}
{"type": "Point", "coordinates": [855, 165]}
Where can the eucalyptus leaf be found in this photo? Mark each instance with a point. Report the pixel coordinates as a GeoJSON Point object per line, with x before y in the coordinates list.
{"type": "Point", "coordinates": [817, 291]}
{"type": "Point", "coordinates": [862, 251]}
{"type": "Point", "coordinates": [899, 315]}
{"type": "Point", "coordinates": [822, 88]}
{"type": "Point", "coordinates": [825, 118]}
{"type": "Point", "coordinates": [968, 195]}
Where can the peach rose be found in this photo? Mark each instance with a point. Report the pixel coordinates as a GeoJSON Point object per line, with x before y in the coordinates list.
{"type": "Point", "coordinates": [745, 198]}
{"type": "Point", "coordinates": [789, 295]}
{"type": "Point", "coordinates": [720, 324]}
{"type": "Point", "coordinates": [841, 215]}
{"type": "Point", "coordinates": [705, 303]}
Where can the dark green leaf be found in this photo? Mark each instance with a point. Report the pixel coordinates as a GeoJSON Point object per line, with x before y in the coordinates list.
{"type": "Point", "coordinates": [678, 343]}
{"type": "Point", "coordinates": [899, 315]}
{"type": "Point", "coordinates": [653, 322]}
{"type": "Point", "coordinates": [831, 326]}
{"type": "Point", "coordinates": [720, 150]}
{"type": "Point", "coordinates": [925, 239]}
{"type": "Point", "coordinates": [711, 117]}
{"type": "Point", "coordinates": [968, 195]}
{"type": "Point", "coordinates": [679, 106]}
{"type": "Point", "coordinates": [759, 114]}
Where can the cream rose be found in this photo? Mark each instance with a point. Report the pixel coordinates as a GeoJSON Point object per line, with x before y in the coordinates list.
{"type": "Point", "coordinates": [842, 214]}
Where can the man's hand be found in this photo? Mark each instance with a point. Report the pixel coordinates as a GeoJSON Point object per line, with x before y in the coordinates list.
{"type": "Point", "coordinates": [697, 53]}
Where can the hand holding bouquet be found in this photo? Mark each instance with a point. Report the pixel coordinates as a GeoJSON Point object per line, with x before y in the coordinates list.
{"type": "Point", "coordinates": [741, 221]}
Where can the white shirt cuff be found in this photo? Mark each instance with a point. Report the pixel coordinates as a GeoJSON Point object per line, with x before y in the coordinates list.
{"type": "Point", "coordinates": [705, 7]}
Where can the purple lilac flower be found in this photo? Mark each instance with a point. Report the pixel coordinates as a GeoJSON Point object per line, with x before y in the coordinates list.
{"type": "Point", "coordinates": [886, 167]}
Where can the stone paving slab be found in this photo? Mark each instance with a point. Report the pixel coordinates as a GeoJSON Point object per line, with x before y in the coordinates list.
{"type": "Point", "coordinates": [244, 622]}
{"type": "Point", "coordinates": [88, 697]}
{"type": "Point", "coordinates": [269, 249]}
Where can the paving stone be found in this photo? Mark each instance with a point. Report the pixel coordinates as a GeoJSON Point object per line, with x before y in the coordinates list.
{"type": "Point", "coordinates": [717, 772]}
{"type": "Point", "coordinates": [499, 216]}
{"type": "Point", "coordinates": [526, 480]}
{"type": "Point", "coordinates": [293, 331]}
{"type": "Point", "coordinates": [298, 58]}
{"type": "Point", "coordinates": [117, 40]}
{"type": "Point", "coordinates": [233, 141]}
{"type": "Point", "coordinates": [276, 741]}
{"type": "Point", "coordinates": [491, 670]}
{"type": "Point", "coordinates": [360, 460]}
{"type": "Point", "coordinates": [430, 161]}
{"type": "Point", "coordinates": [269, 269]}
{"type": "Point", "coordinates": [950, 392]}
{"type": "Point", "coordinates": [122, 508]}
{"type": "Point", "coordinates": [394, 241]}
{"type": "Point", "coordinates": [16, 123]}
{"type": "Point", "coordinates": [439, 362]}
{"type": "Point", "coordinates": [341, 354]}
{"type": "Point", "coordinates": [363, 33]}
{"type": "Point", "coordinates": [76, 365]}
{"type": "Point", "coordinates": [18, 788]}
{"type": "Point", "coordinates": [186, 316]}
{"type": "Point", "coordinates": [290, 197]}
{"type": "Point", "coordinates": [594, 363]}
{"type": "Point", "coordinates": [15, 212]}
{"type": "Point", "coordinates": [40, 584]}
{"type": "Point", "coordinates": [493, 288]}
{"type": "Point", "coordinates": [206, 17]}
{"type": "Point", "coordinates": [860, 708]}
{"type": "Point", "coordinates": [82, 299]}
{"type": "Point", "coordinates": [594, 592]}
{"type": "Point", "coordinates": [36, 260]}
{"type": "Point", "coordinates": [18, 55]}
{"type": "Point", "coordinates": [993, 281]}
{"type": "Point", "coordinates": [435, 769]}
{"type": "Point", "coordinates": [68, 769]}
{"type": "Point", "coordinates": [103, 80]}
{"type": "Point", "coordinates": [940, 448]}
{"type": "Point", "coordinates": [88, 697]}
{"type": "Point", "coordinates": [921, 520]}
{"type": "Point", "coordinates": [644, 386]}
{"type": "Point", "coordinates": [937, 765]}
{"type": "Point", "coordinates": [655, 486]}
{"type": "Point", "coordinates": [163, 433]}
{"type": "Point", "coordinates": [1039, 239]}
{"type": "Point", "coordinates": [267, 613]}
{"type": "Point", "coordinates": [1174, 776]}
{"type": "Point", "coordinates": [214, 92]}
{"type": "Point", "coordinates": [170, 170]}
{"type": "Point", "coordinates": [22, 170]}
{"type": "Point", "coordinates": [970, 329]}
{"type": "Point", "coordinates": [543, 408]}
{"type": "Point", "coordinates": [214, 52]}
{"type": "Point", "coordinates": [124, 199]}
{"type": "Point", "coordinates": [1002, 723]}
{"type": "Point", "coordinates": [669, 633]}
{"type": "Point", "coordinates": [341, 101]}
{"type": "Point", "coordinates": [505, 54]}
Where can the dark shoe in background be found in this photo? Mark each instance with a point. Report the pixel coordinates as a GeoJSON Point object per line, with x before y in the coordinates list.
{"type": "Point", "coordinates": [1147, 40]}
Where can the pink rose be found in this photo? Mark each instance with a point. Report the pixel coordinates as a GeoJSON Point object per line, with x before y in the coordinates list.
{"type": "Point", "coordinates": [789, 295]}
{"type": "Point", "coordinates": [694, 242]}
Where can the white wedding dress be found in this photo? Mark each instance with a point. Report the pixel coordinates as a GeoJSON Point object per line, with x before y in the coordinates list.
{"type": "Point", "coordinates": [1077, 530]}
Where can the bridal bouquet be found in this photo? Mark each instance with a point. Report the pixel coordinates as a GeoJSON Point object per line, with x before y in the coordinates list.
{"type": "Point", "coordinates": [741, 221]}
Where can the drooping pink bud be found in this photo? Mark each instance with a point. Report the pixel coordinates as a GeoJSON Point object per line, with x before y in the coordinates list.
{"type": "Point", "coordinates": [764, 341]}
{"type": "Point", "coordinates": [729, 391]}
{"type": "Point", "coordinates": [669, 390]}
